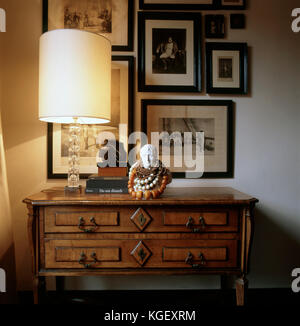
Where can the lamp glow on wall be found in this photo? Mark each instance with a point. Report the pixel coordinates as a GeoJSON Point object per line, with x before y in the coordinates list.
{"type": "Point", "coordinates": [74, 85]}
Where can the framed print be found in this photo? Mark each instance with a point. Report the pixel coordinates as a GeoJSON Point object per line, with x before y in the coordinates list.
{"type": "Point", "coordinates": [177, 4]}
{"type": "Point", "coordinates": [226, 68]}
{"type": "Point", "coordinates": [177, 117]}
{"type": "Point", "coordinates": [169, 52]}
{"type": "Point", "coordinates": [233, 4]}
{"type": "Point", "coordinates": [121, 113]}
{"type": "Point", "coordinates": [111, 18]}
{"type": "Point", "coordinates": [214, 26]}
{"type": "Point", "coordinates": [237, 21]}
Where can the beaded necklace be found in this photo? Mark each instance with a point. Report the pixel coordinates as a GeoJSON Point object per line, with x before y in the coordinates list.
{"type": "Point", "coordinates": [147, 183]}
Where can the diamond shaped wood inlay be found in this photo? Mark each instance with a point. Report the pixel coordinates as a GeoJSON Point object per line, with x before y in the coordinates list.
{"type": "Point", "coordinates": [141, 219]}
{"type": "Point", "coordinates": [141, 253]}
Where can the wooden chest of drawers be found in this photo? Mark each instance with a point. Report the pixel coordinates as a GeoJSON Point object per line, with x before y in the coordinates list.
{"type": "Point", "coordinates": [187, 231]}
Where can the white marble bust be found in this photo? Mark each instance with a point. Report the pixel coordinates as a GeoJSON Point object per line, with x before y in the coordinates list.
{"type": "Point", "coordinates": [149, 156]}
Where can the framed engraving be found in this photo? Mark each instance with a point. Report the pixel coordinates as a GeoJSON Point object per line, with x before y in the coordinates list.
{"type": "Point", "coordinates": [111, 18]}
{"type": "Point", "coordinates": [177, 117]}
{"type": "Point", "coordinates": [227, 68]}
{"type": "Point", "coordinates": [169, 52]}
{"type": "Point", "coordinates": [122, 108]}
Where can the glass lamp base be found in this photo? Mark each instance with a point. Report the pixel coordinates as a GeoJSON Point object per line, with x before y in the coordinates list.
{"type": "Point", "coordinates": [74, 156]}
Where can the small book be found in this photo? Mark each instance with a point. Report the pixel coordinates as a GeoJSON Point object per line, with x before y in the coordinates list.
{"type": "Point", "coordinates": [94, 181]}
{"type": "Point", "coordinates": [106, 191]}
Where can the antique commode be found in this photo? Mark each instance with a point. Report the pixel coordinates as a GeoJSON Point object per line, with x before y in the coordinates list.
{"type": "Point", "coordinates": [186, 231]}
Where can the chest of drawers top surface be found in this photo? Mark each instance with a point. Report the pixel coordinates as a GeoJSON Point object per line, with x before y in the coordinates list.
{"type": "Point", "coordinates": [172, 196]}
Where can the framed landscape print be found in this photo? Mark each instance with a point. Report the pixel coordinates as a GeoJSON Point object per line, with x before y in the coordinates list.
{"type": "Point", "coordinates": [169, 52]}
{"type": "Point", "coordinates": [226, 68]}
{"type": "Point", "coordinates": [111, 18]}
{"type": "Point", "coordinates": [177, 4]}
{"type": "Point", "coordinates": [233, 4]}
{"type": "Point", "coordinates": [212, 117]}
{"type": "Point", "coordinates": [121, 112]}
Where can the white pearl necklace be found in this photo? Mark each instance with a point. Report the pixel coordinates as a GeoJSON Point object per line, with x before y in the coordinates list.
{"type": "Point", "coordinates": [144, 184]}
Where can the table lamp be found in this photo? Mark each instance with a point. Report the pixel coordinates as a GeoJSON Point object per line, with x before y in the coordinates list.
{"type": "Point", "coordinates": [74, 85]}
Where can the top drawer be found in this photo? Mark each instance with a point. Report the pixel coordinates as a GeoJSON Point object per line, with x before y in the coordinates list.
{"type": "Point", "coordinates": [114, 219]}
{"type": "Point", "coordinates": [87, 220]}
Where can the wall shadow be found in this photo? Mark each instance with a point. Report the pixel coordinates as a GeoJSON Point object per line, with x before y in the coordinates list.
{"type": "Point", "coordinates": [273, 253]}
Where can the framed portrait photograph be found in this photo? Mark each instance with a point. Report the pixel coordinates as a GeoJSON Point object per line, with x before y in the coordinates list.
{"type": "Point", "coordinates": [226, 68]}
{"type": "Point", "coordinates": [177, 4]}
{"type": "Point", "coordinates": [122, 108]}
{"type": "Point", "coordinates": [214, 26]}
{"type": "Point", "coordinates": [169, 52]}
{"type": "Point", "coordinates": [212, 118]}
{"type": "Point", "coordinates": [111, 18]}
{"type": "Point", "coordinates": [233, 4]}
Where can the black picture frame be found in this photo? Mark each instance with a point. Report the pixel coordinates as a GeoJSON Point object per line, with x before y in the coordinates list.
{"type": "Point", "coordinates": [176, 6]}
{"type": "Point", "coordinates": [218, 29]}
{"type": "Point", "coordinates": [239, 70]}
{"type": "Point", "coordinates": [237, 21]}
{"type": "Point", "coordinates": [232, 6]}
{"type": "Point", "coordinates": [144, 59]}
{"type": "Point", "coordinates": [115, 47]}
{"type": "Point", "coordinates": [228, 104]}
{"type": "Point", "coordinates": [131, 69]}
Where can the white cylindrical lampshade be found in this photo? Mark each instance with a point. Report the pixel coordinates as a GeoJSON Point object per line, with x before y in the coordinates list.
{"type": "Point", "coordinates": [75, 77]}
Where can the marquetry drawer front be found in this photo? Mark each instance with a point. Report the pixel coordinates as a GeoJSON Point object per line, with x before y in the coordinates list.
{"type": "Point", "coordinates": [199, 221]}
{"type": "Point", "coordinates": [141, 254]}
{"type": "Point", "coordinates": [200, 254]}
{"type": "Point", "coordinates": [138, 219]}
{"type": "Point", "coordinates": [81, 220]}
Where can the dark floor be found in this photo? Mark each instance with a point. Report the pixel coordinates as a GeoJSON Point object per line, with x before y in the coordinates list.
{"type": "Point", "coordinates": [166, 299]}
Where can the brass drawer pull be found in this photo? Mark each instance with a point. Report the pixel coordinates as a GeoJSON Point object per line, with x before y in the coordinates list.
{"type": "Point", "coordinates": [202, 222]}
{"type": "Point", "coordinates": [81, 225]}
{"type": "Point", "coordinates": [83, 257]}
{"type": "Point", "coordinates": [190, 224]}
{"type": "Point", "coordinates": [202, 260]}
{"type": "Point", "coordinates": [189, 260]}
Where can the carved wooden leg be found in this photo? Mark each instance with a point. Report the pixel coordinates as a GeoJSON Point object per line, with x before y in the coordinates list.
{"type": "Point", "coordinates": [39, 288]}
{"type": "Point", "coordinates": [36, 287]}
{"type": "Point", "coordinates": [31, 229]}
{"type": "Point", "coordinates": [241, 285]}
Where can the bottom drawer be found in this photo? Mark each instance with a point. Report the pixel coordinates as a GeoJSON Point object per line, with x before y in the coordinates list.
{"type": "Point", "coordinates": [203, 254]}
